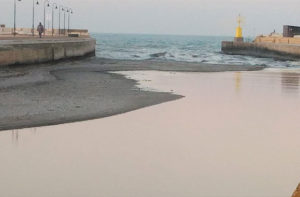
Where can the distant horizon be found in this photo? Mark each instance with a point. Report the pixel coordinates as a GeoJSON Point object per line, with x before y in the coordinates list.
{"type": "Point", "coordinates": [158, 34]}
{"type": "Point", "coordinates": [161, 34]}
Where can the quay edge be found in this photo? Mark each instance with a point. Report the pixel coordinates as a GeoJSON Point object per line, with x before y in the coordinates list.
{"type": "Point", "coordinates": [265, 50]}
{"type": "Point", "coordinates": [22, 52]}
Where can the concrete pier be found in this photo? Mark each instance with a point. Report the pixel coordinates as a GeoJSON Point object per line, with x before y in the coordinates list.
{"type": "Point", "coordinates": [279, 51]}
{"type": "Point", "coordinates": [34, 51]}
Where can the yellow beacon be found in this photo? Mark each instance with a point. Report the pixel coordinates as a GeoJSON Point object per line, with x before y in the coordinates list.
{"type": "Point", "coordinates": [239, 32]}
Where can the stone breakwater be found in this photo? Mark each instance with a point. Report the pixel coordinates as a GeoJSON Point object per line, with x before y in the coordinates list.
{"type": "Point", "coordinates": [35, 51]}
{"type": "Point", "coordinates": [278, 51]}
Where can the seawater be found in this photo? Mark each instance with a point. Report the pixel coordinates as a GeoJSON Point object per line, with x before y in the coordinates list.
{"type": "Point", "coordinates": [203, 49]}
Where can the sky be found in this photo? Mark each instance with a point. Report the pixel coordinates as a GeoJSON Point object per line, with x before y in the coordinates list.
{"type": "Point", "coordinates": [179, 17]}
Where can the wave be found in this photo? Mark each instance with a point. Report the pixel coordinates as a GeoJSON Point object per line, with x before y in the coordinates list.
{"type": "Point", "coordinates": [136, 56]}
{"type": "Point", "coordinates": [176, 48]}
{"type": "Point", "coordinates": [157, 55]}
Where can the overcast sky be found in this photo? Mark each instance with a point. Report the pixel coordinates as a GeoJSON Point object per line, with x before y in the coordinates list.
{"type": "Point", "coordinates": [196, 17]}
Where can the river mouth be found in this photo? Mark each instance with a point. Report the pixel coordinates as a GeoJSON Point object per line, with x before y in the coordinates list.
{"type": "Point", "coordinates": [234, 131]}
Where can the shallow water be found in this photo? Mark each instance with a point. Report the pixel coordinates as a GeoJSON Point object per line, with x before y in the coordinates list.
{"type": "Point", "coordinates": [234, 134]}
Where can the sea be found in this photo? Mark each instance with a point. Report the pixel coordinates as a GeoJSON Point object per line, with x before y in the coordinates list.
{"type": "Point", "coordinates": [202, 49]}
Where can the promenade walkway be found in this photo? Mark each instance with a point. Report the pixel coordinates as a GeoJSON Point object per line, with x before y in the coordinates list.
{"type": "Point", "coordinates": [36, 37]}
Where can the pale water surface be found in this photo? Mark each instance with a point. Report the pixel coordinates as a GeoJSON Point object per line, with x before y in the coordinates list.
{"type": "Point", "coordinates": [233, 135]}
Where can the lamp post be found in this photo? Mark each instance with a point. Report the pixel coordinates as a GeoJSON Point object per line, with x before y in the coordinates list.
{"type": "Point", "coordinates": [15, 16]}
{"type": "Point", "coordinates": [65, 9]}
{"type": "Point", "coordinates": [61, 8]}
{"type": "Point", "coordinates": [33, 9]}
{"type": "Point", "coordinates": [48, 5]}
{"type": "Point", "coordinates": [70, 11]}
{"type": "Point", "coordinates": [54, 6]}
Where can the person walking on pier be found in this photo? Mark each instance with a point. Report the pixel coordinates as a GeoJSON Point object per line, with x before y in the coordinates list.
{"type": "Point", "coordinates": [40, 29]}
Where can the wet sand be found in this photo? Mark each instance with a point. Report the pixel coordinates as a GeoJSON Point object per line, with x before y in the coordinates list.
{"type": "Point", "coordinates": [81, 90]}
{"type": "Point", "coordinates": [233, 134]}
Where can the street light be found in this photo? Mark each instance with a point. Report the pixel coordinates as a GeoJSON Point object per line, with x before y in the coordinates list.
{"type": "Point", "coordinates": [70, 11]}
{"type": "Point", "coordinates": [54, 6]}
{"type": "Point", "coordinates": [61, 8]}
{"type": "Point", "coordinates": [48, 5]}
{"type": "Point", "coordinates": [15, 16]}
{"type": "Point", "coordinates": [65, 10]}
{"type": "Point", "coordinates": [34, 2]}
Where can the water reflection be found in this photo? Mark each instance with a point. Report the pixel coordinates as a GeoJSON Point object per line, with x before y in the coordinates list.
{"type": "Point", "coordinates": [237, 81]}
{"type": "Point", "coordinates": [290, 82]}
{"type": "Point", "coordinates": [34, 131]}
{"type": "Point", "coordinates": [15, 136]}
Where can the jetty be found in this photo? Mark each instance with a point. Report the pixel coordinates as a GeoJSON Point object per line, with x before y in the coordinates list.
{"type": "Point", "coordinates": [285, 46]}
{"type": "Point", "coordinates": [23, 48]}
{"type": "Point", "coordinates": [280, 51]}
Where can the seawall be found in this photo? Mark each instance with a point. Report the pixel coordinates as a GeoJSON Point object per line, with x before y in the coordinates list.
{"type": "Point", "coordinates": [34, 51]}
{"type": "Point", "coordinates": [269, 50]}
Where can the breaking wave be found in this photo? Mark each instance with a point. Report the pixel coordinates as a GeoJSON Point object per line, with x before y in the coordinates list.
{"type": "Point", "coordinates": [156, 55]}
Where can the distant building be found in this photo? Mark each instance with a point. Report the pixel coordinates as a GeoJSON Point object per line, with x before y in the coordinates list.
{"type": "Point", "coordinates": [290, 31]}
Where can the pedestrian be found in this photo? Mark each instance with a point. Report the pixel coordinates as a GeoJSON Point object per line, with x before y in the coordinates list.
{"type": "Point", "coordinates": [40, 29]}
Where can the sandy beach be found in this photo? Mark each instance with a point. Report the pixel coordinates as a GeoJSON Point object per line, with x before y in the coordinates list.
{"type": "Point", "coordinates": [232, 134]}
{"type": "Point", "coordinates": [71, 91]}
